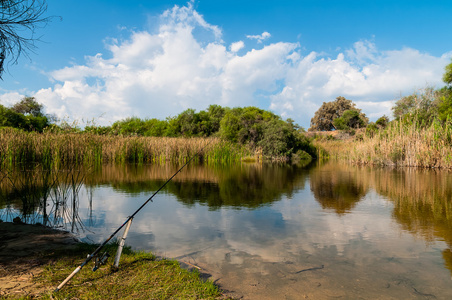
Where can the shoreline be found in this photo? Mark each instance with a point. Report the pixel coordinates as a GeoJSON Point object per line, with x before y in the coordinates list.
{"type": "Point", "coordinates": [27, 249]}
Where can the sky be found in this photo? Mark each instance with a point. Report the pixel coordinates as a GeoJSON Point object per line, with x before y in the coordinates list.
{"type": "Point", "coordinates": [100, 61]}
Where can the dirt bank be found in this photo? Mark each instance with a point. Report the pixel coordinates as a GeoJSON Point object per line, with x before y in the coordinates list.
{"type": "Point", "coordinates": [24, 249]}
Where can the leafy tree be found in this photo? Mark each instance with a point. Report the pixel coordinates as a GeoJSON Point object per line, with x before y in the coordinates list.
{"type": "Point", "coordinates": [447, 76]}
{"type": "Point", "coordinates": [445, 101]}
{"type": "Point", "coordinates": [132, 126]}
{"type": "Point", "coordinates": [372, 128]}
{"type": "Point", "coordinates": [187, 122]}
{"type": "Point", "coordinates": [277, 138]}
{"type": "Point", "coordinates": [351, 119]}
{"type": "Point", "coordinates": [155, 127]}
{"type": "Point", "coordinates": [216, 113]}
{"type": "Point", "coordinates": [329, 111]}
{"type": "Point", "coordinates": [261, 129]}
{"type": "Point", "coordinates": [28, 106]}
{"type": "Point", "coordinates": [404, 106]}
{"type": "Point", "coordinates": [10, 118]}
{"type": "Point", "coordinates": [245, 125]}
{"type": "Point", "coordinates": [421, 106]}
{"type": "Point", "coordinates": [230, 125]}
{"type": "Point", "coordinates": [18, 22]}
{"type": "Point", "coordinates": [382, 121]}
{"type": "Point", "coordinates": [445, 104]}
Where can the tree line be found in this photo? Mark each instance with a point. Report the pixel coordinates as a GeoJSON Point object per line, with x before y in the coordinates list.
{"type": "Point", "coordinates": [259, 130]}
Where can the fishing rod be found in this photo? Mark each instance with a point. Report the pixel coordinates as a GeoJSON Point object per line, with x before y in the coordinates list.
{"type": "Point", "coordinates": [104, 258]}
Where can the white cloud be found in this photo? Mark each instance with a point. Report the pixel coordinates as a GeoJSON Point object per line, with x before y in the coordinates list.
{"type": "Point", "coordinates": [235, 47]}
{"type": "Point", "coordinates": [265, 35]}
{"type": "Point", "coordinates": [160, 74]}
{"type": "Point", "coordinates": [9, 98]}
{"type": "Point", "coordinates": [369, 77]}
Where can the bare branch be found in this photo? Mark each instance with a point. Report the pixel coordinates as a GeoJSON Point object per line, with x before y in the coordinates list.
{"type": "Point", "coordinates": [19, 20]}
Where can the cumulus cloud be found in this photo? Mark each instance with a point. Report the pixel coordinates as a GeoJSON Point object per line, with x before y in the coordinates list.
{"type": "Point", "coordinates": [265, 35]}
{"type": "Point", "coordinates": [369, 77]}
{"type": "Point", "coordinates": [235, 47]}
{"type": "Point", "coordinates": [160, 74]}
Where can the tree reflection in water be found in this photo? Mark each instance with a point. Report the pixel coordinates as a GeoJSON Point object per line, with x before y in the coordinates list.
{"type": "Point", "coordinates": [337, 187]}
{"type": "Point", "coordinates": [422, 199]}
{"type": "Point", "coordinates": [422, 203]}
{"type": "Point", "coordinates": [43, 195]}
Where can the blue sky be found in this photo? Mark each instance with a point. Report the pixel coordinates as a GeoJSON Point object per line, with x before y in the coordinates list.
{"type": "Point", "coordinates": [108, 60]}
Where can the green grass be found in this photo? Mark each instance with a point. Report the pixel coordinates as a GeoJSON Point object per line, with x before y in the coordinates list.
{"type": "Point", "coordinates": [140, 276]}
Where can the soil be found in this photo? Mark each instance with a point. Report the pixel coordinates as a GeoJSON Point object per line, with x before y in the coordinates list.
{"type": "Point", "coordinates": [24, 250]}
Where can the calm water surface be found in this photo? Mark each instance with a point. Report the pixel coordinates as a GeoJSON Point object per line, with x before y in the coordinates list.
{"type": "Point", "coordinates": [273, 231]}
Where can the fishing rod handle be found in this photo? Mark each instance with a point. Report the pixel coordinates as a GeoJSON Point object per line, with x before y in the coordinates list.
{"type": "Point", "coordinates": [68, 278]}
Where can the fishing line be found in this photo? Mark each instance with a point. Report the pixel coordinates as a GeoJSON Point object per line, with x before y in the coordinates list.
{"type": "Point", "coordinates": [92, 255]}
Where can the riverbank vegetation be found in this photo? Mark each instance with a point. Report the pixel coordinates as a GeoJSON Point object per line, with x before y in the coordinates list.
{"type": "Point", "coordinates": [28, 135]}
{"type": "Point", "coordinates": [420, 135]}
{"type": "Point", "coordinates": [18, 146]}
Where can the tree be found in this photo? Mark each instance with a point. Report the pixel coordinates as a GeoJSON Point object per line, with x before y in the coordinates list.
{"type": "Point", "coordinates": [28, 106]}
{"type": "Point", "coordinates": [421, 105]}
{"type": "Point", "coordinates": [447, 76]}
{"type": "Point", "coordinates": [11, 118]}
{"type": "Point", "coordinates": [18, 22]}
{"type": "Point", "coordinates": [349, 119]}
{"type": "Point", "coordinates": [329, 111]}
{"type": "Point", "coordinates": [382, 121]}
{"type": "Point", "coordinates": [445, 102]}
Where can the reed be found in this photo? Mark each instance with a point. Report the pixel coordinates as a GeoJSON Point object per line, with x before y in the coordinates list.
{"type": "Point", "coordinates": [401, 144]}
{"type": "Point", "coordinates": [66, 148]}
{"type": "Point", "coordinates": [38, 194]}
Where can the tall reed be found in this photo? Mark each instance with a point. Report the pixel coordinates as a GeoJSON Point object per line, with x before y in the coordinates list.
{"type": "Point", "coordinates": [29, 147]}
{"type": "Point", "coordinates": [401, 144]}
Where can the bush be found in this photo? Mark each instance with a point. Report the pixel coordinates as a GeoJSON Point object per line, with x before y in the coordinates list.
{"type": "Point", "coordinates": [349, 119]}
{"type": "Point", "coordinates": [382, 122]}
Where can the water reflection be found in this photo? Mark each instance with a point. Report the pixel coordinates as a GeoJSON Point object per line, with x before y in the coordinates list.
{"type": "Point", "coordinates": [422, 203]}
{"type": "Point", "coordinates": [327, 230]}
{"type": "Point", "coordinates": [37, 194]}
{"type": "Point", "coordinates": [338, 187]}
{"type": "Point", "coordinates": [242, 186]}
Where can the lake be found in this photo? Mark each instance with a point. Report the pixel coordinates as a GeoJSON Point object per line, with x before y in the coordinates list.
{"type": "Point", "coordinates": [265, 231]}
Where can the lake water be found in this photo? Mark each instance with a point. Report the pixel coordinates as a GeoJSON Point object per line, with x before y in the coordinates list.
{"type": "Point", "coordinates": [268, 231]}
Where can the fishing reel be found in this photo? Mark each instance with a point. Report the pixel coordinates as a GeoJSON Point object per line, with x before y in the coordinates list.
{"type": "Point", "coordinates": [99, 261]}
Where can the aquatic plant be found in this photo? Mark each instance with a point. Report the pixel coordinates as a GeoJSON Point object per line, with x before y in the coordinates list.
{"type": "Point", "coordinates": [401, 144]}
{"type": "Point", "coordinates": [17, 146]}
